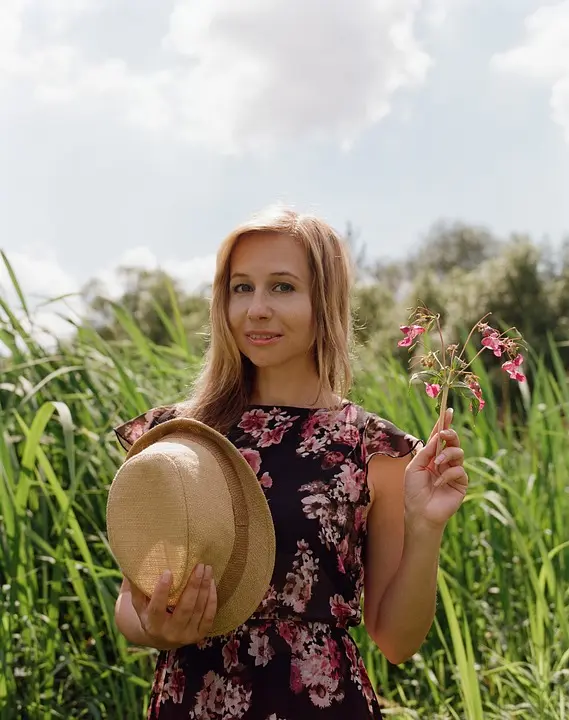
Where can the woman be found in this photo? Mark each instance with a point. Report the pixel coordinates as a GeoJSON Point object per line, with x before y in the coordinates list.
{"type": "Point", "coordinates": [353, 498]}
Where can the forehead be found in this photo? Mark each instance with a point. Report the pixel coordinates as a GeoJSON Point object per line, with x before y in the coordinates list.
{"type": "Point", "coordinates": [263, 253]}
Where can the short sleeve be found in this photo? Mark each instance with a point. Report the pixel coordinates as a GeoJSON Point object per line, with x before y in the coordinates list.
{"type": "Point", "coordinates": [128, 432]}
{"type": "Point", "coordinates": [384, 438]}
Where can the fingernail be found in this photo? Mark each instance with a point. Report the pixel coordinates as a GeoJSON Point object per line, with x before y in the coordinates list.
{"type": "Point", "coordinates": [166, 576]}
{"type": "Point", "coordinates": [208, 571]}
{"type": "Point", "coordinates": [200, 570]}
{"type": "Point", "coordinates": [440, 458]}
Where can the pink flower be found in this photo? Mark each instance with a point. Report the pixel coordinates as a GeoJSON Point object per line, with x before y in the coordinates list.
{"type": "Point", "coordinates": [477, 390]}
{"type": "Point", "coordinates": [492, 342]}
{"type": "Point", "coordinates": [253, 458]}
{"type": "Point", "coordinates": [266, 480]}
{"type": "Point", "coordinates": [341, 610]}
{"type": "Point", "coordinates": [410, 332]}
{"type": "Point", "coordinates": [511, 367]}
{"type": "Point", "coordinates": [432, 390]}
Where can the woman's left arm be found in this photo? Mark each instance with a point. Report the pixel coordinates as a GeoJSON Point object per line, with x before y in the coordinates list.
{"type": "Point", "coordinates": [411, 504]}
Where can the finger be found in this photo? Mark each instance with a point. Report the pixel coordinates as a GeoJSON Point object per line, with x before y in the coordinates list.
{"type": "Point", "coordinates": [425, 455]}
{"type": "Point", "coordinates": [202, 598]}
{"type": "Point", "coordinates": [450, 437]}
{"type": "Point", "coordinates": [158, 603]}
{"type": "Point", "coordinates": [449, 456]}
{"type": "Point", "coordinates": [187, 602]}
{"type": "Point", "coordinates": [210, 610]}
{"type": "Point", "coordinates": [446, 424]}
{"type": "Point", "coordinates": [455, 476]}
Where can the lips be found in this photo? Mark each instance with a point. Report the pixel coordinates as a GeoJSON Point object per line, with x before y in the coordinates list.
{"type": "Point", "coordinates": [262, 335]}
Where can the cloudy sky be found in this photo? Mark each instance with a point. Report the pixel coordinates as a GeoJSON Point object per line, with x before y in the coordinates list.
{"type": "Point", "coordinates": [141, 132]}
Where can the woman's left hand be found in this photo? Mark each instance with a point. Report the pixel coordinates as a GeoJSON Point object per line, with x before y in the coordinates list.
{"type": "Point", "coordinates": [435, 487]}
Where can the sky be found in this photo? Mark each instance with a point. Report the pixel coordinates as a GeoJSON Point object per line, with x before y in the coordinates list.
{"type": "Point", "coordinates": [141, 133]}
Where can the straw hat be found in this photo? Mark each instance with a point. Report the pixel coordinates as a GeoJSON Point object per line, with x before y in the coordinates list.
{"type": "Point", "coordinates": [185, 495]}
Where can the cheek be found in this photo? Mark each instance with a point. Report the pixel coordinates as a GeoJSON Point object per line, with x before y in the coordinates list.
{"type": "Point", "coordinates": [232, 313]}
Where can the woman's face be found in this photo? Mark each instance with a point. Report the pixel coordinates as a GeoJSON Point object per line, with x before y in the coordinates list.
{"type": "Point", "coordinates": [270, 295]}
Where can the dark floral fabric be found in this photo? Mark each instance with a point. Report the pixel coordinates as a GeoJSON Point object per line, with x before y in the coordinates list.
{"type": "Point", "coordinates": [294, 659]}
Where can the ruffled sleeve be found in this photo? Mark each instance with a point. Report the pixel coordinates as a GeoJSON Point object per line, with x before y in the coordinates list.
{"type": "Point", "coordinates": [128, 432]}
{"type": "Point", "coordinates": [384, 438]}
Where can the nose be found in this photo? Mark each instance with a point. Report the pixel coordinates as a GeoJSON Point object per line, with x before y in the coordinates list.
{"type": "Point", "coordinates": [259, 308]}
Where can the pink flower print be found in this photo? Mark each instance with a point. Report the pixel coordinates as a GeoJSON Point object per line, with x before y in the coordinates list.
{"type": "Point", "coordinates": [410, 332]}
{"type": "Point", "coordinates": [513, 368]}
{"type": "Point", "coordinates": [319, 675]}
{"type": "Point", "coordinates": [295, 677]}
{"type": "Point", "coordinates": [269, 602]}
{"type": "Point", "coordinates": [266, 480]}
{"type": "Point", "coordinates": [320, 696]}
{"type": "Point", "coordinates": [492, 341]}
{"type": "Point", "coordinates": [310, 426]}
{"type": "Point", "coordinates": [333, 652]}
{"type": "Point", "coordinates": [288, 632]}
{"type": "Point", "coordinates": [260, 649]}
{"type": "Point", "coordinates": [350, 481]}
{"type": "Point", "coordinates": [347, 435]}
{"type": "Point", "coordinates": [237, 699]}
{"type": "Point", "coordinates": [331, 459]}
{"type": "Point", "coordinates": [216, 692]}
{"type": "Point", "coordinates": [312, 444]}
{"type": "Point", "coordinates": [350, 652]}
{"type": "Point", "coordinates": [341, 610]}
{"type": "Point", "coordinates": [360, 517]}
{"type": "Point", "coordinates": [432, 390]}
{"type": "Point", "coordinates": [253, 457]}
{"type": "Point", "coordinates": [230, 654]}
{"type": "Point", "coordinates": [343, 551]}
{"type": "Point", "coordinates": [254, 422]}
{"type": "Point", "coordinates": [272, 437]}
{"type": "Point", "coordinates": [175, 685]}
{"type": "Point", "coordinates": [365, 683]}
{"type": "Point", "coordinates": [298, 588]}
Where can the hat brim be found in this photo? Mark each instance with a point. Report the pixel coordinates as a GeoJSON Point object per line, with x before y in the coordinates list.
{"type": "Point", "coordinates": [258, 568]}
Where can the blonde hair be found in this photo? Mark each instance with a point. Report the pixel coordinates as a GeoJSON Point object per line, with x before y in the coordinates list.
{"type": "Point", "coordinates": [223, 388]}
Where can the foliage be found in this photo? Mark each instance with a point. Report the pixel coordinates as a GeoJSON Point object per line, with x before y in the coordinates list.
{"type": "Point", "coordinates": [499, 645]}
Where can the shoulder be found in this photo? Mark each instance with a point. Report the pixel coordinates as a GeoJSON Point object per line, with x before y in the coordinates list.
{"type": "Point", "coordinates": [380, 436]}
{"type": "Point", "coordinates": [129, 431]}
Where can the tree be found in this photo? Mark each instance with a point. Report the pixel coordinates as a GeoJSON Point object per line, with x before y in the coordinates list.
{"type": "Point", "coordinates": [149, 296]}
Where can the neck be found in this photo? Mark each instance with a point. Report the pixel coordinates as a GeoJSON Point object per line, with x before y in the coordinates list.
{"type": "Point", "coordinates": [275, 386]}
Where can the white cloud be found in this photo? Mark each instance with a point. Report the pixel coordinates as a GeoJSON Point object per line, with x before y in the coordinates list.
{"type": "Point", "coordinates": [544, 56]}
{"type": "Point", "coordinates": [235, 76]}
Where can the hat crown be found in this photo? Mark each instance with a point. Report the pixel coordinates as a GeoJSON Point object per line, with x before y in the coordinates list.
{"type": "Point", "coordinates": [180, 485]}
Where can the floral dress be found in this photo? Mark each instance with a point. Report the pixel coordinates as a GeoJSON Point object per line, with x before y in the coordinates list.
{"type": "Point", "coordinates": [294, 658]}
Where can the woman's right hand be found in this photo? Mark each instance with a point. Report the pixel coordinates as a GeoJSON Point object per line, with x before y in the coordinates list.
{"type": "Point", "coordinates": [192, 618]}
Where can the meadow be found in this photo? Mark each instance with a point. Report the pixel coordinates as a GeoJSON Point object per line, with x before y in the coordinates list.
{"type": "Point", "coordinates": [499, 648]}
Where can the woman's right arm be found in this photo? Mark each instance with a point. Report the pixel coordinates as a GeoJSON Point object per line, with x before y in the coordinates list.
{"type": "Point", "coordinates": [146, 621]}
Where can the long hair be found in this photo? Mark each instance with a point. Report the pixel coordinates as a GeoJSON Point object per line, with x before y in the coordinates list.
{"type": "Point", "coordinates": [222, 389]}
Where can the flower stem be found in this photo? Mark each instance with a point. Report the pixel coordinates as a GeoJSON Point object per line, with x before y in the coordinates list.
{"type": "Point", "coordinates": [442, 414]}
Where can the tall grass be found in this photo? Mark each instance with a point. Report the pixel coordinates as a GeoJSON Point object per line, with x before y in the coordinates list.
{"type": "Point", "coordinates": [499, 647]}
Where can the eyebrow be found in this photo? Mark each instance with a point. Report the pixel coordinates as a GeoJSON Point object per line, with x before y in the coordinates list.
{"type": "Point", "coordinates": [280, 273]}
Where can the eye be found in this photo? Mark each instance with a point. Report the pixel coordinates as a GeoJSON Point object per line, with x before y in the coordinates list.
{"type": "Point", "coordinates": [288, 286]}
{"type": "Point", "coordinates": [285, 287]}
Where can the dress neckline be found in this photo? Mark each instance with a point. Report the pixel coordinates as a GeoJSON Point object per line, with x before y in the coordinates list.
{"type": "Point", "coordinates": [295, 408]}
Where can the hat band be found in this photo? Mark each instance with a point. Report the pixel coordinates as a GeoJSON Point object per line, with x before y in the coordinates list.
{"type": "Point", "coordinates": [238, 559]}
